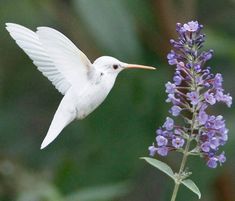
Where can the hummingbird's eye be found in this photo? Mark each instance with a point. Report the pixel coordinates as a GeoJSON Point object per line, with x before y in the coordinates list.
{"type": "Point", "coordinates": [115, 66]}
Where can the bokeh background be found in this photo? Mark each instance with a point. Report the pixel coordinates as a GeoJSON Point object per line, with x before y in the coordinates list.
{"type": "Point", "coordinates": [97, 159]}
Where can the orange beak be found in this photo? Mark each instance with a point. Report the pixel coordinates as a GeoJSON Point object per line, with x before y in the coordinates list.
{"type": "Point", "coordinates": [139, 66]}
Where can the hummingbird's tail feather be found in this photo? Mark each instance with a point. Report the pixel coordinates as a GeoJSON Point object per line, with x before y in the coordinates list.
{"type": "Point", "coordinates": [63, 116]}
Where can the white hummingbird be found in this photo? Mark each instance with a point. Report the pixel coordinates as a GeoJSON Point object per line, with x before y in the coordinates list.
{"type": "Point", "coordinates": [83, 84]}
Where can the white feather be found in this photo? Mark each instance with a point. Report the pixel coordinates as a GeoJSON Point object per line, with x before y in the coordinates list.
{"type": "Point", "coordinates": [70, 61]}
{"type": "Point", "coordinates": [54, 54]}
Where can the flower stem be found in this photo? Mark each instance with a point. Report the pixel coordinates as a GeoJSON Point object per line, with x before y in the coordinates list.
{"type": "Point", "coordinates": [182, 166]}
{"type": "Point", "coordinates": [184, 160]}
{"type": "Point", "coordinates": [175, 191]}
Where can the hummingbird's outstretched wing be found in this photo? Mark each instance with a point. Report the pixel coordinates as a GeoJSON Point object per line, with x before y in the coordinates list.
{"type": "Point", "coordinates": [54, 54]}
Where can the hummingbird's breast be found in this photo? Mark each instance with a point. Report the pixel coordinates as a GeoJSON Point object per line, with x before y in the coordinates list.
{"type": "Point", "coordinates": [91, 97]}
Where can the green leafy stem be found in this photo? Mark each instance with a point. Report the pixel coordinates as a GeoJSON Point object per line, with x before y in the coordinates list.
{"type": "Point", "coordinates": [179, 178]}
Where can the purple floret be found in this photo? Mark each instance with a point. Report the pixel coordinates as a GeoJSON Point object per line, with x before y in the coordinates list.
{"type": "Point", "coordinates": [161, 141]}
{"type": "Point", "coordinates": [169, 123]}
{"type": "Point", "coordinates": [170, 88]}
{"type": "Point", "coordinates": [193, 97]}
{"type": "Point", "coordinates": [178, 142]}
{"type": "Point", "coordinates": [175, 110]}
{"type": "Point", "coordinates": [163, 151]}
{"type": "Point", "coordinates": [212, 162]}
{"type": "Point", "coordinates": [191, 26]}
{"type": "Point", "coordinates": [152, 150]}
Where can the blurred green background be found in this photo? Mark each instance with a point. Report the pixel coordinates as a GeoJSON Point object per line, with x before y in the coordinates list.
{"type": "Point", "coordinates": [97, 159]}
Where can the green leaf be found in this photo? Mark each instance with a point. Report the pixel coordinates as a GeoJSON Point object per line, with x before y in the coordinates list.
{"type": "Point", "coordinates": [192, 186]}
{"type": "Point", "coordinates": [161, 166]}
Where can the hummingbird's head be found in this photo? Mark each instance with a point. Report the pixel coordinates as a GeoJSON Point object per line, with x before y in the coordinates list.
{"type": "Point", "coordinates": [113, 66]}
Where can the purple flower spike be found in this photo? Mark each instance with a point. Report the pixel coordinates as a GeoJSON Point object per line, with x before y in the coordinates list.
{"type": "Point", "coordinates": [193, 90]}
